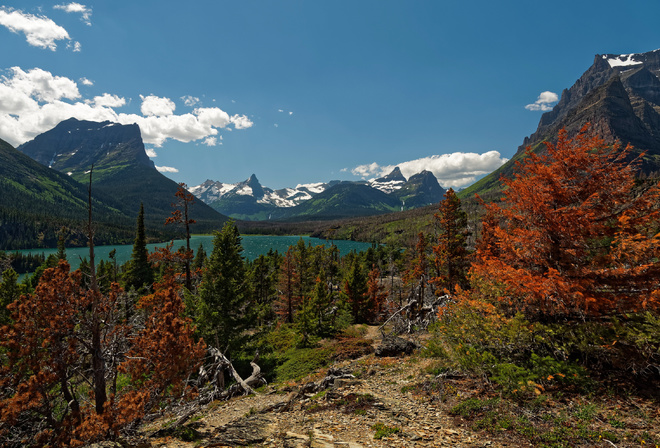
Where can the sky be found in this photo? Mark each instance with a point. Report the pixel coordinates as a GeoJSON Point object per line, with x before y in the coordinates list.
{"type": "Point", "coordinates": [299, 92]}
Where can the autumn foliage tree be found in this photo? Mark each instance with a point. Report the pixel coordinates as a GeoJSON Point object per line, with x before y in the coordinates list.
{"type": "Point", "coordinates": [574, 235]}
{"type": "Point", "coordinates": [181, 215]}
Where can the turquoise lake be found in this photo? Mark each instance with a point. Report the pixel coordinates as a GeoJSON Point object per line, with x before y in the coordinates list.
{"type": "Point", "coordinates": [253, 246]}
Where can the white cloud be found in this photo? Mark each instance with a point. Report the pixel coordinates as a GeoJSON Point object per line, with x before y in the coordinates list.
{"type": "Point", "coordinates": [108, 100]}
{"type": "Point", "coordinates": [84, 11]}
{"type": "Point", "coordinates": [190, 101]}
{"type": "Point", "coordinates": [166, 169]}
{"type": "Point", "coordinates": [35, 101]}
{"type": "Point", "coordinates": [40, 31]}
{"type": "Point", "coordinates": [280, 110]}
{"type": "Point", "coordinates": [544, 101]}
{"type": "Point", "coordinates": [454, 170]}
{"type": "Point", "coordinates": [290, 113]}
{"type": "Point", "coordinates": [241, 122]}
{"type": "Point", "coordinates": [86, 82]}
{"type": "Point", "coordinates": [211, 141]}
{"type": "Point", "coordinates": [154, 106]}
{"type": "Point", "coordinates": [151, 152]}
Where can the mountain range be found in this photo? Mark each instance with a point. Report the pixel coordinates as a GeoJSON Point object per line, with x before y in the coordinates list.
{"type": "Point", "coordinates": [619, 95]}
{"type": "Point", "coordinates": [44, 181]}
{"type": "Point", "coordinates": [249, 200]}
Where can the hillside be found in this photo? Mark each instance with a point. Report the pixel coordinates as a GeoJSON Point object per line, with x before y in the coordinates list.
{"type": "Point", "coordinates": [38, 201]}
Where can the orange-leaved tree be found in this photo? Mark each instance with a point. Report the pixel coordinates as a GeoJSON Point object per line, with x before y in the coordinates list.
{"type": "Point", "coordinates": [52, 393]}
{"type": "Point", "coordinates": [574, 236]}
{"type": "Point", "coordinates": [181, 215]}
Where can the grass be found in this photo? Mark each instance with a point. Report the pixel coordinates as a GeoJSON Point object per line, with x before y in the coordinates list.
{"type": "Point", "coordinates": [552, 419]}
{"type": "Point", "coordinates": [383, 430]}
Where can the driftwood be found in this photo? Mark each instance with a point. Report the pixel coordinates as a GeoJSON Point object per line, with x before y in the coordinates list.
{"type": "Point", "coordinates": [211, 383]}
{"type": "Point", "coordinates": [416, 314]}
{"type": "Point", "coordinates": [310, 389]}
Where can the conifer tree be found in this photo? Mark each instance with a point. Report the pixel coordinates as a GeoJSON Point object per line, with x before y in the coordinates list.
{"type": "Point", "coordinates": [222, 293]}
{"type": "Point", "coordinates": [451, 260]}
{"type": "Point", "coordinates": [140, 272]}
{"type": "Point", "coordinates": [61, 247]}
{"type": "Point", "coordinates": [356, 291]}
{"type": "Point", "coordinates": [181, 215]}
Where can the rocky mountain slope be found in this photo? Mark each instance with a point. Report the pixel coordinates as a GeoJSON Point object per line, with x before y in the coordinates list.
{"type": "Point", "coordinates": [122, 169]}
{"type": "Point", "coordinates": [249, 200]}
{"type": "Point", "coordinates": [619, 95]}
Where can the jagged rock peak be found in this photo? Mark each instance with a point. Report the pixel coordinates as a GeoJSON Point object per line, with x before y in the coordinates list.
{"type": "Point", "coordinates": [395, 175]}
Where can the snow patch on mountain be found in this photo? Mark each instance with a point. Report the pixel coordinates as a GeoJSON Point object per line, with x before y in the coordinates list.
{"type": "Point", "coordinates": [622, 60]}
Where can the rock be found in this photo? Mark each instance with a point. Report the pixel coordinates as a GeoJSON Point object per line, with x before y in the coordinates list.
{"type": "Point", "coordinates": [395, 346]}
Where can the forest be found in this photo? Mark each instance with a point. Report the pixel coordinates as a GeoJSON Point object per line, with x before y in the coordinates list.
{"type": "Point", "coordinates": [551, 290]}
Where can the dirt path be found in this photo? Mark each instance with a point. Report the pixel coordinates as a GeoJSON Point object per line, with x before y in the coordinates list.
{"type": "Point", "coordinates": [347, 415]}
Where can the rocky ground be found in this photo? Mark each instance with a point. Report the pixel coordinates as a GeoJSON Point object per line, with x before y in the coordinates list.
{"type": "Point", "coordinates": [378, 407]}
{"type": "Point", "coordinates": [394, 401]}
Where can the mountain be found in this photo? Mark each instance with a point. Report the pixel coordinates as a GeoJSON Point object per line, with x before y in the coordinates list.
{"type": "Point", "coordinates": [36, 202]}
{"type": "Point", "coordinates": [249, 200]}
{"type": "Point", "coordinates": [122, 169]}
{"type": "Point", "coordinates": [421, 189]}
{"type": "Point", "coordinates": [344, 200]}
{"type": "Point", "coordinates": [390, 183]}
{"type": "Point", "coordinates": [619, 95]}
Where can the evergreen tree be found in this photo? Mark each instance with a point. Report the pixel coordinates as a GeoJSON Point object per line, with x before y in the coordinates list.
{"type": "Point", "coordinates": [200, 257]}
{"type": "Point", "coordinates": [139, 271]}
{"type": "Point", "coordinates": [355, 288]}
{"type": "Point", "coordinates": [61, 247]}
{"type": "Point", "coordinates": [451, 255]}
{"type": "Point", "coordinates": [222, 293]}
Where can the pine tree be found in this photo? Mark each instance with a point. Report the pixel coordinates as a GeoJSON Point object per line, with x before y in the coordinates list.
{"type": "Point", "coordinates": [181, 215]}
{"type": "Point", "coordinates": [222, 293]}
{"type": "Point", "coordinates": [140, 272]}
{"type": "Point", "coordinates": [356, 291]}
{"type": "Point", "coordinates": [451, 260]}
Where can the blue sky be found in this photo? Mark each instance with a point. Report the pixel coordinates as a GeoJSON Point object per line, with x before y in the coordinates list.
{"type": "Point", "coordinates": [308, 91]}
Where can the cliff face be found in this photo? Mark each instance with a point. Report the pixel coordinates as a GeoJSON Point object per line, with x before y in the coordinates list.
{"type": "Point", "coordinates": [73, 145]}
{"type": "Point", "coordinates": [122, 169]}
{"type": "Point", "coordinates": [620, 96]}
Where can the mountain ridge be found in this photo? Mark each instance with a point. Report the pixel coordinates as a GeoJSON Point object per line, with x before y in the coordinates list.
{"type": "Point", "coordinates": [249, 200]}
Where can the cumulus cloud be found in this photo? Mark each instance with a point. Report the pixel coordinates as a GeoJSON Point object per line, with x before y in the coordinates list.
{"type": "Point", "coordinates": [190, 100]}
{"type": "Point", "coordinates": [167, 169]}
{"type": "Point", "coordinates": [35, 101]}
{"type": "Point", "coordinates": [454, 170]}
{"type": "Point", "coordinates": [86, 82]}
{"type": "Point", "coordinates": [84, 11]}
{"type": "Point", "coordinates": [241, 122]}
{"type": "Point", "coordinates": [108, 100]}
{"type": "Point", "coordinates": [211, 141]}
{"type": "Point", "coordinates": [39, 30]}
{"type": "Point", "coordinates": [151, 152]}
{"type": "Point", "coordinates": [154, 106]}
{"type": "Point", "coordinates": [544, 102]}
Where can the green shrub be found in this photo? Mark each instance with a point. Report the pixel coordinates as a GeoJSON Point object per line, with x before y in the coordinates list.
{"type": "Point", "coordinates": [384, 430]}
{"type": "Point", "coordinates": [300, 362]}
